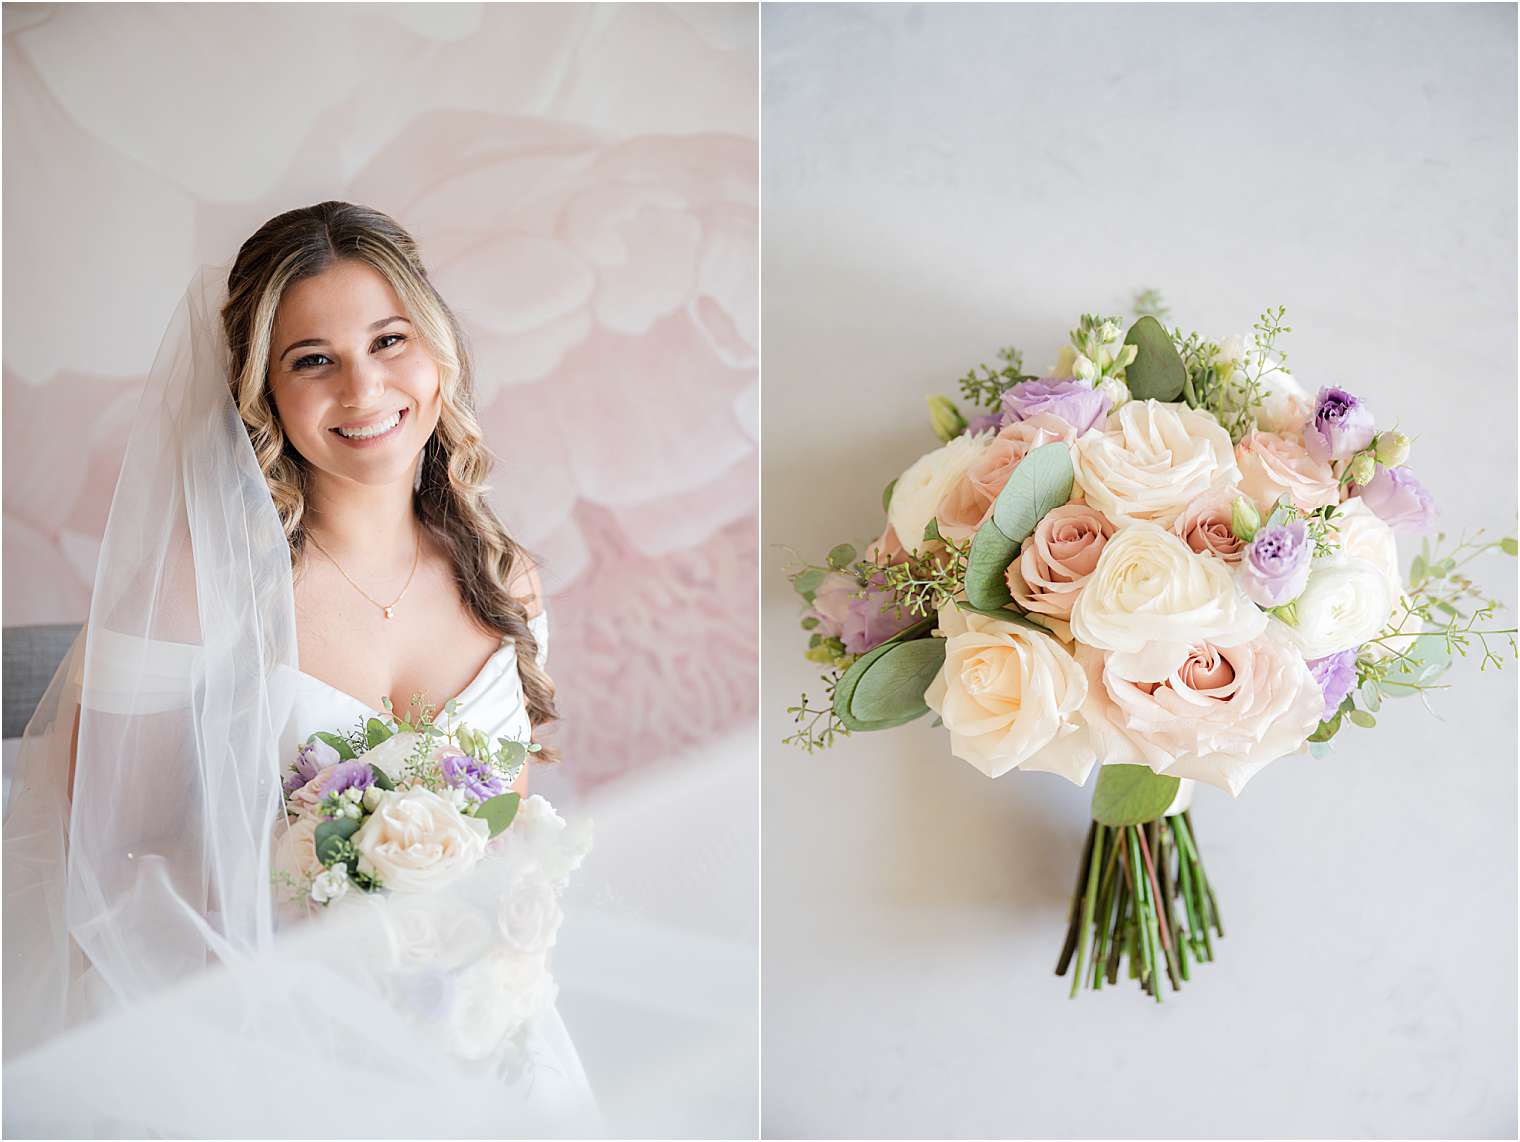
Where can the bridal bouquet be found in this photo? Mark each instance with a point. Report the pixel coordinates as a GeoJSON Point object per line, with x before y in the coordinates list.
{"type": "Point", "coordinates": [1164, 556]}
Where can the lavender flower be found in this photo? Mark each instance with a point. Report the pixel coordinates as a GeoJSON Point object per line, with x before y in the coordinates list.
{"type": "Point", "coordinates": [356, 774]}
{"type": "Point", "coordinates": [872, 619]}
{"type": "Point", "coordinates": [985, 422]}
{"type": "Point", "coordinates": [1399, 500]}
{"type": "Point", "coordinates": [311, 759]}
{"type": "Point", "coordinates": [1076, 402]}
{"type": "Point", "coordinates": [1340, 427]}
{"type": "Point", "coordinates": [1276, 565]}
{"type": "Point", "coordinates": [475, 777]}
{"type": "Point", "coordinates": [1336, 675]}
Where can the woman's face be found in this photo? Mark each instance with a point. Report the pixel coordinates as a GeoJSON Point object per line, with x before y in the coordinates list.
{"type": "Point", "coordinates": [354, 388]}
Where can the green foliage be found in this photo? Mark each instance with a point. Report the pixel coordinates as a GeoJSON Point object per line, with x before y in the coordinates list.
{"type": "Point", "coordinates": [1157, 372]}
{"type": "Point", "coordinates": [886, 495]}
{"type": "Point", "coordinates": [331, 840]}
{"type": "Point", "coordinates": [1040, 483]}
{"type": "Point", "coordinates": [375, 732]}
{"type": "Point", "coordinates": [816, 727]}
{"type": "Point", "coordinates": [381, 780]}
{"type": "Point", "coordinates": [991, 552]}
{"type": "Point", "coordinates": [1004, 615]}
{"type": "Point", "coordinates": [892, 689]}
{"type": "Point", "coordinates": [844, 689]}
{"type": "Point", "coordinates": [806, 582]}
{"type": "Point", "coordinates": [1232, 390]}
{"type": "Point", "coordinates": [345, 751]}
{"type": "Point", "coordinates": [1131, 795]}
{"type": "Point", "coordinates": [924, 582]}
{"type": "Point", "coordinates": [984, 385]}
{"type": "Point", "coordinates": [499, 811]}
{"type": "Point", "coordinates": [1148, 303]}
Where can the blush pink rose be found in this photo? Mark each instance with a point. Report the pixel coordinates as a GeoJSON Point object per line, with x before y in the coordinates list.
{"type": "Point", "coordinates": [1056, 560]}
{"type": "Point", "coordinates": [1220, 715]}
{"type": "Point", "coordinates": [888, 550]}
{"type": "Point", "coordinates": [1204, 525]}
{"type": "Point", "coordinates": [968, 503]}
{"type": "Point", "coordinates": [1274, 464]}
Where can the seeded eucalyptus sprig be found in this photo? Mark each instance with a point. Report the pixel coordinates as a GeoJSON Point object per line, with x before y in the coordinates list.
{"type": "Point", "coordinates": [984, 385]}
{"type": "Point", "coordinates": [817, 727]}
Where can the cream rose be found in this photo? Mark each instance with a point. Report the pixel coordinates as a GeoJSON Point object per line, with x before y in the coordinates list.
{"type": "Point", "coordinates": [920, 489]}
{"type": "Point", "coordinates": [1274, 464]}
{"type": "Point", "coordinates": [528, 914]}
{"type": "Point", "coordinates": [1056, 560]}
{"type": "Point", "coordinates": [1152, 598]}
{"type": "Point", "coordinates": [1359, 533]}
{"type": "Point", "coordinates": [1204, 525]}
{"type": "Point", "coordinates": [416, 841]}
{"type": "Point", "coordinates": [391, 755]}
{"type": "Point", "coordinates": [1285, 403]}
{"type": "Point", "coordinates": [1346, 602]}
{"type": "Point", "coordinates": [1220, 716]}
{"type": "Point", "coordinates": [1009, 697]}
{"type": "Point", "coordinates": [1153, 459]}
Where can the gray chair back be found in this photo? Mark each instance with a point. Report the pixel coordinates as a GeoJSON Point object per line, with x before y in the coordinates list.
{"type": "Point", "coordinates": [31, 654]}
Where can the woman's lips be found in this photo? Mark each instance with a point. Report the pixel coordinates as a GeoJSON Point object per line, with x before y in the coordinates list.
{"type": "Point", "coordinates": [371, 437]}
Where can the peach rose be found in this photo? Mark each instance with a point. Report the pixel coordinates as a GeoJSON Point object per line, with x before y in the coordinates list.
{"type": "Point", "coordinates": [1204, 525]}
{"type": "Point", "coordinates": [1274, 464]}
{"type": "Point", "coordinates": [1056, 560]}
{"type": "Point", "coordinates": [968, 503]}
{"type": "Point", "coordinates": [888, 550]}
{"type": "Point", "coordinates": [1220, 716]}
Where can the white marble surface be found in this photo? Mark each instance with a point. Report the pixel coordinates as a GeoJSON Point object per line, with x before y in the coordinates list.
{"type": "Point", "coordinates": [939, 181]}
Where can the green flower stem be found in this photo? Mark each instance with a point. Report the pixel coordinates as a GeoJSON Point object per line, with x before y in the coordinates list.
{"type": "Point", "coordinates": [1189, 903]}
{"type": "Point", "coordinates": [1169, 894]}
{"type": "Point", "coordinates": [1107, 894]}
{"type": "Point", "coordinates": [1208, 889]}
{"type": "Point", "coordinates": [1121, 912]}
{"type": "Point", "coordinates": [1094, 867]}
{"type": "Point", "coordinates": [1162, 920]}
{"type": "Point", "coordinates": [1070, 946]}
{"type": "Point", "coordinates": [1145, 913]}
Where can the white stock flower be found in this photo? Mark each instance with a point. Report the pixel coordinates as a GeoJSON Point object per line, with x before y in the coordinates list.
{"type": "Point", "coordinates": [1346, 602]}
{"type": "Point", "coordinates": [416, 841]}
{"type": "Point", "coordinates": [1150, 598]}
{"type": "Point", "coordinates": [331, 884]}
{"type": "Point", "coordinates": [1152, 460]}
{"type": "Point", "coordinates": [1009, 697]}
{"type": "Point", "coordinates": [919, 490]}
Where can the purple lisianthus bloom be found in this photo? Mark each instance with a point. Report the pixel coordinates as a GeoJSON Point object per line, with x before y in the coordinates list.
{"type": "Point", "coordinates": [1076, 402]}
{"type": "Point", "coordinates": [1340, 427]}
{"type": "Point", "coordinates": [311, 758]}
{"type": "Point", "coordinates": [872, 619]}
{"type": "Point", "coordinates": [1336, 675]}
{"type": "Point", "coordinates": [1399, 500]}
{"type": "Point", "coordinates": [831, 602]}
{"type": "Point", "coordinates": [355, 774]}
{"type": "Point", "coordinates": [1276, 565]}
{"type": "Point", "coordinates": [986, 422]}
{"type": "Point", "coordinates": [474, 776]}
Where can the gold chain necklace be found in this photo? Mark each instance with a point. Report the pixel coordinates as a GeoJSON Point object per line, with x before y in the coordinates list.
{"type": "Point", "coordinates": [387, 609]}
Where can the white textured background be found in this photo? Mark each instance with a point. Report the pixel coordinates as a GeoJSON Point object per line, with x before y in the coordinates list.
{"type": "Point", "coordinates": [940, 181]}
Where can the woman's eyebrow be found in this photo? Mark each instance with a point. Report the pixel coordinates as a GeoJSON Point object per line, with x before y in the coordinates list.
{"type": "Point", "coordinates": [375, 328]}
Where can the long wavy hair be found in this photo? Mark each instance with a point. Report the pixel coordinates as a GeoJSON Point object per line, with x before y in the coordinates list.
{"type": "Point", "coordinates": [450, 498]}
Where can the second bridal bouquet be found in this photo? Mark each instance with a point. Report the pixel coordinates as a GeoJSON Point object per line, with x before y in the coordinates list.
{"type": "Point", "coordinates": [1162, 557]}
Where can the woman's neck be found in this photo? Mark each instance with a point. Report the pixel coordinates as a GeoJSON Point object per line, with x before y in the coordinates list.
{"type": "Point", "coordinates": [373, 523]}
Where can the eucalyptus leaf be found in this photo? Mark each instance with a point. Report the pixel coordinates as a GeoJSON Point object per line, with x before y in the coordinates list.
{"type": "Point", "coordinates": [345, 751]}
{"type": "Point", "coordinates": [499, 811]}
{"type": "Point", "coordinates": [841, 557]}
{"type": "Point", "coordinates": [1427, 659]}
{"type": "Point", "coordinates": [806, 584]}
{"type": "Point", "coordinates": [894, 685]}
{"type": "Point", "coordinates": [1320, 750]}
{"type": "Point", "coordinates": [1326, 730]}
{"type": "Point", "coordinates": [1371, 696]}
{"type": "Point", "coordinates": [1509, 545]}
{"type": "Point", "coordinates": [987, 567]}
{"type": "Point", "coordinates": [931, 531]}
{"type": "Point", "coordinates": [1157, 372]}
{"type": "Point", "coordinates": [1131, 795]}
{"type": "Point", "coordinates": [844, 689]}
{"type": "Point", "coordinates": [375, 732]}
{"type": "Point", "coordinates": [382, 779]}
{"type": "Point", "coordinates": [328, 837]}
{"type": "Point", "coordinates": [1362, 718]}
{"type": "Point", "coordinates": [1041, 481]}
{"type": "Point", "coordinates": [1002, 614]}
{"type": "Point", "coordinates": [886, 496]}
{"type": "Point", "coordinates": [513, 752]}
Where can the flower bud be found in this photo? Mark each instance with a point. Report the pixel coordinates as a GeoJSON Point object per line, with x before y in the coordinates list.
{"type": "Point", "coordinates": [1363, 468]}
{"type": "Point", "coordinates": [1084, 368]}
{"type": "Point", "coordinates": [946, 418]}
{"type": "Point", "coordinates": [1245, 520]}
{"type": "Point", "coordinates": [1392, 449]}
{"type": "Point", "coordinates": [372, 798]}
{"type": "Point", "coordinates": [1107, 332]}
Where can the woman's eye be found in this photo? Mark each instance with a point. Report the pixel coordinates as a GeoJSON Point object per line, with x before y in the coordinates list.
{"type": "Point", "coordinates": [308, 361]}
{"type": "Point", "coordinates": [389, 337]}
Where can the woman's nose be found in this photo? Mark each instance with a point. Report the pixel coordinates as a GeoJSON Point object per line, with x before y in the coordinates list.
{"type": "Point", "coordinates": [362, 384]}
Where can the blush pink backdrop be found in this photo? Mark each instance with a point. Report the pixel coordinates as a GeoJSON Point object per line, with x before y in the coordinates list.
{"type": "Point", "coordinates": [582, 180]}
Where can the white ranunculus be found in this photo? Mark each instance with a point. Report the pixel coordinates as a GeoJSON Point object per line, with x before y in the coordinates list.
{"type": "Point", "coordinates": [1152, 460]}
{"type": "Point", "coordinates": [1150, 598]}
{"type": "Point", "coordinates": [416, 841]}
{"type": "Point", "coordinates": [391, 755]}
{"type": "Point", "coordinates": [528, 914]}
{"type": "Point", "coordinates": [1009, 697]}
{"type": "Point", "coordinates": [1285, 403]}
{"type": "Point", "coordinates": [1346, 602]}
{"type": "Point", "coordinates": [919, 490]}
{"type": "Point", "coordinates": [1361, 534]}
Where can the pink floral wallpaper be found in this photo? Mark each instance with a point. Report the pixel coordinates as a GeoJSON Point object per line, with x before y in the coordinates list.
{"type": "Point", "coordinates": [583, 182]}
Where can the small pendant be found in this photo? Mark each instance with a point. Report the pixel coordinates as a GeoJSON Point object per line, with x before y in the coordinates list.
{"type": "Point", "coordinates": [388, 612]}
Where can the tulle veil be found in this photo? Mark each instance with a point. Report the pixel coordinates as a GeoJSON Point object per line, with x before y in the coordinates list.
{"type": "Point", "coordinates": [148, 988]}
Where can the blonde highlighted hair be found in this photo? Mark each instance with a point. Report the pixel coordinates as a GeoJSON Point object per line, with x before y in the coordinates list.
{"type": "Point", "coordinates": [450, 499]}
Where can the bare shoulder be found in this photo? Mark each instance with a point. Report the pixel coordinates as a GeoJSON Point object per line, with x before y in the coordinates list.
{"type": "Point", "coordinates": [525, 586]}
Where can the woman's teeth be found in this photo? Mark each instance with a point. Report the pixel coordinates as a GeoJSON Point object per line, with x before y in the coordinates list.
{"type": "Point", "coordinates": [378, 429]}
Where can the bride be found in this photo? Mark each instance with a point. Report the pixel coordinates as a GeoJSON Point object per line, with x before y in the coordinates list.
{"type": "Point", "coordinates": [299, 542]}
